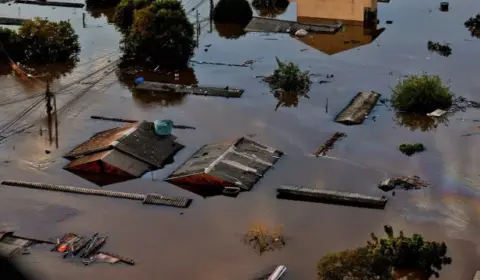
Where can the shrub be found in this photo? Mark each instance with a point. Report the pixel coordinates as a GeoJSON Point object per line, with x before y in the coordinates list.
{"type": "Point", "coordinates": [233, 11]}
{"type": "Point", "coordinates": [443, 50]}
{"type": "Point", "coordinates": [410, 149]}
{"type": "Point", "coordinates": [262, 239]}
{"type": "Point", "coordinates": [473, 25]}
{"type": "Point", "coordinates": [160, 35]}
{"type": "Point", "coordinates": [48, 42]}
{"type": "Point", "coordinates": [378, 259]}
{"type": "Point", "coordinates": [289, 78]}
{"type": "Point", "coordinates": [421, 94]}
{"type": "Point", "coordinates": [10, 41]}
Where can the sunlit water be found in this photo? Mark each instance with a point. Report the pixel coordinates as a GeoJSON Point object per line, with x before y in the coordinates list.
{"type": "Point", "coordinates": [204, 242]}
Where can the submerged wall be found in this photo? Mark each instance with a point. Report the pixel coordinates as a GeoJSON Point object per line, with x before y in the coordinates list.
{"type": "Point", "coordinates": [350, 10]}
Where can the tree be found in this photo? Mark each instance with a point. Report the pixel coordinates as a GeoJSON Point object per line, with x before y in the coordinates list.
{"type": "Point", "coordinates": [270, 8]}
{"type": "Point", "coordinates": [233, 11]}
{"type": "Point", "coordinates": [160, 35]}
{"type": "Point", "coordinates": [289, 78]}
{"type": "Point", "coordinates": [473, 25]}
{"type": "Point", "coordinates": [381, 256]}
{"type": "Point", "coordinates": [48, 42]}
{"type": "Point", "coordinates": [125, 10]}
{"type": "Point", "coordinates": [421, 94]}
{"type": "Point", "coordinates": [10, 41]}
{"type": "Point", "coordinates": [102, 4]}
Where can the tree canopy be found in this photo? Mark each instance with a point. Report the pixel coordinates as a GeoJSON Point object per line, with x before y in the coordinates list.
{"type": "Point", "coordinates": [161, 34]}
{"type": "Point", "coordinates": [124, 12]}
{"type": "Point", "coordinates": [270, 8]}
{"type": "Point", "coordinates": [381, 256]}
{"type": "Point", "coordinates": [233, 11]}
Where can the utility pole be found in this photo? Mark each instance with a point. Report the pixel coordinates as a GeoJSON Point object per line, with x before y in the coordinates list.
{"type": "Point", "coordinates": [211, 16]}
{"type": "Point", "coordinates": [48, 99]}
{"type": "Point", "coordinates": [326, 106]}
{"type": "Point", "coordinates": [83, 19]}
{"type": "Point", "coordinates": [198, 28]}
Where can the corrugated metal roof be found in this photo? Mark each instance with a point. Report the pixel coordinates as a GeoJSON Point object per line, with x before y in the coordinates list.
{"type": "Point", "coordinates": [241, 163]}
{"type": "Point", "coordinates": [100, 141]}
{"type": "Point", "coordinates": [147, 146]}
{"type": "Point", "coordinates": [87, 159]}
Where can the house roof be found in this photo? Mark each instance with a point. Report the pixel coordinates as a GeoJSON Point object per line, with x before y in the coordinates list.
{"type": "Point", "coordinates": [241, 162]}
{"type": "Point", "coordinates": [134, 148]}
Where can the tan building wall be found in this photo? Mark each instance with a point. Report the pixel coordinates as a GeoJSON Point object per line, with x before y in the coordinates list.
{"type": "Point", "coordinates": [350, 10]}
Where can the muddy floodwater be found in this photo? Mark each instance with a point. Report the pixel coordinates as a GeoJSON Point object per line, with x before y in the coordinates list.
{"type": "Point", "coordinates": [203, 242]}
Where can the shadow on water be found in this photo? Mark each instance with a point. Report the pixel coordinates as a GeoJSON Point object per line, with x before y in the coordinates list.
{"type": "Point", "coordinates": [202, 191]}
{"type": "Point", "coordinates": [128, 74]}
{"type": "Point", "coordinates": [230, 31]}
{"type": "Point", "coordinates": [100, 179]}
{"type": "Point", "coordinates": [422, 123]}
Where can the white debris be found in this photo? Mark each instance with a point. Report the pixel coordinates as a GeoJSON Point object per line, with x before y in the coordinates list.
{"type": "Point", "coordinates": [437, 113]}
{"type": "Point", "coordinates": [301, 33]}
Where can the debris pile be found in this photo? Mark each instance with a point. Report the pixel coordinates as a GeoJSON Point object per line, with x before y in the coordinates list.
{"type": "Point", "coordinates": [410, 149]}
{"type": "Point", "coordinates": [441, 49]}
{"type": "Point", "coordinates": [322, 151]}
{"type": "Point", "coordinates": [88, 250]}
{"type": "Point", "coordinates": [404, 182]}
{"type": "Point", "coordinates": [11, 245]}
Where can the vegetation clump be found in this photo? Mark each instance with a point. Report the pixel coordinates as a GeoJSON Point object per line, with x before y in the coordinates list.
{"type": "Point", "coordinates": [410, 149]}
{"type": "Point", "coordinates": [473, 25]}
{"type": "Point", "coordinates": [40, 44]}
{"type": "Point", "coordinates": [381, 257]}
{"type": "Point", "coordinates": [421, 94]}
{"type": "Point", "coordinates": [443, 50]}
{"type": "Point", "coordinates": [289, 78]}
{"type": "Point", "coordinates": [270, 8]}
{"type": "Point", "coordinates": [161, 34]}
{"type": "Point", "coordinates": [262, 239]}
{"type": "Point", "coordinates": [233, 12]}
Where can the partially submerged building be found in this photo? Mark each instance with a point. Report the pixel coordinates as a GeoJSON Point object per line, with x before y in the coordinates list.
{"type": "Point", "coordinates": [240, 163]}
{"type": "Point", "coordinates": [128, 151]}
{"type": "Point", "coordinates": [349, 12]}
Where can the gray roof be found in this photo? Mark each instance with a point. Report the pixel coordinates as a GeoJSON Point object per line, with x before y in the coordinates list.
{"type": "Point", "coordinates": [242, 162]}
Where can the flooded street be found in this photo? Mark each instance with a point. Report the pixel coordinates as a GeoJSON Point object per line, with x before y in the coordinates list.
{"type": "Point", "coordinates": [203, 242]}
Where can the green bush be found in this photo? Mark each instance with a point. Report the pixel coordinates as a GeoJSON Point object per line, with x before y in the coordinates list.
{"type": "Point", "coordinates": [380, 257]}
{"type": "Point", "coordinates": [410, 149]}
{"type": "Point", "coordinates": [421, 94]}
{"type": "Point", "coordinates": [161, 34]}
{"type": "Point", "coordinates": [233, 11]}
{"type": "Point", "coordinates": [289, 78]}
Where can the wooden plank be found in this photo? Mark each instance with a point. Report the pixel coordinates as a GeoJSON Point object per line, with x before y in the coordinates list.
{"type": "Point", "coordinates": [191, 89]}
{"type": "Point", "coordinates": [358, 108]}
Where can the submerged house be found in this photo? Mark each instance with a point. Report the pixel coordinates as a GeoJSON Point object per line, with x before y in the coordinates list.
{"type": "Point", "coordinates": [128, 151]}
{"type": "Point", "coordinates": [214, 167]}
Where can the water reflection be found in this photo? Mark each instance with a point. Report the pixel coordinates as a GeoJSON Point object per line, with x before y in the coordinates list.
{"type": "Point", "coordinates": [288, 99]}
{"type": "Point", "coordinates": [418, 122]}
{"type": "Point", "coordinates": [98, 13]}
{"type": "Point", "coordinates": [230, 31]}
{"type": "Point", "coordinates": [128, 74]}
{"type": "Point", "coordinates": [270, 8]}
{"type": "Point", "coordinates": [350, 37]}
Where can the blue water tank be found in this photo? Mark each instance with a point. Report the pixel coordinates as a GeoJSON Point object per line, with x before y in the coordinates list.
{"type": "Point", "coordinates": [139, 80]}
{"type": "Point", "coordinates": [163, 127]}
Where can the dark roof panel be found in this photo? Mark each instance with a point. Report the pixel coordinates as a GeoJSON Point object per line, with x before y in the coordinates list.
{"type": "Point", "coordinates": [147, 146]}
{"type": "Point", "coordinates": [236, 176]}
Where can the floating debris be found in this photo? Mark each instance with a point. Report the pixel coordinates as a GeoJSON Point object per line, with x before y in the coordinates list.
{"type": "Point", "coordinates": [404, 182]}
{"type": "Point", "coordinates": [322, 151]}
{"type": "Point", "coordinates": [11, 245]}
{"type": "Point", "coordinates": [437, 113]}
{"type": "Point", "coordinates": [358, 109]}
{"type": "Point", "coordinates": [331, 196]}
{"type": "Point", "coordinates": [263, 239]}
{"type": "Point", "coordinates": [272, 273]}
{"type": "Point", "coordinates": [195, 90]}
{"type": "Point", "coordinates": [444, 6]}
{"type": "Point", "coordinates": [219, 63]}
{"type": "Point", "coordinates": [410, 149]}
{"type": "Point", "coordinates": [157, 199]}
